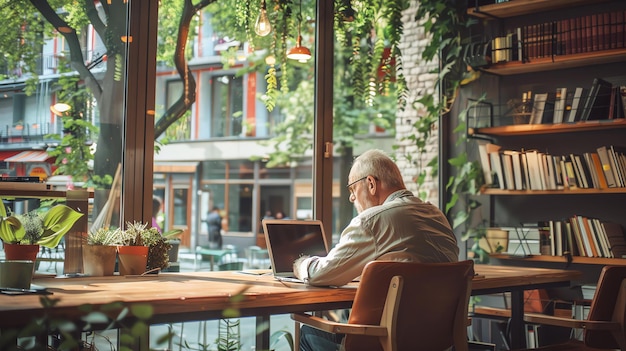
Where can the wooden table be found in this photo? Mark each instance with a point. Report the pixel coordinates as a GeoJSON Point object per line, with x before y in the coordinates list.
{"type": "Point", "coordinates": [179, 297]}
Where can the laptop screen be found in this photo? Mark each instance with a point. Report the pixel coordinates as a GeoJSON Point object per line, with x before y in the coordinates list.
{"type": "Point", "coordinates": [289, 239]}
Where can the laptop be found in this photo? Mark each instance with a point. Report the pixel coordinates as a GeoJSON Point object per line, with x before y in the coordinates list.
{"type": "Point", "coordinates": [289, 239]}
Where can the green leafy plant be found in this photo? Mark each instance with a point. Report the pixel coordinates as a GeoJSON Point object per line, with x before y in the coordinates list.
{"type": "Point", "coordinates": [104, 236]}
{"type": "Point", "coordinates": [130, 319]}
{"type": "Point", "coordinates": [35, 228]}
{"type": "Point", "coordinates": [138, 234]}
{"type": "Point", "coordinates": [446, 22]}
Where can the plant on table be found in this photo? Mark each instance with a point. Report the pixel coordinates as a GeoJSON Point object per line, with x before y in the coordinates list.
{"type": "Point", "coordinates": [138, 233]}
{"type": "Point", "coordinates": [104, 237]}
{"type": "Point", "coordinates": [37, 228]}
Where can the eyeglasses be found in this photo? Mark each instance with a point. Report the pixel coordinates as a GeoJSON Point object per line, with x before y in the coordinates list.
{"type": "Point", "coordinates": [349, 186]}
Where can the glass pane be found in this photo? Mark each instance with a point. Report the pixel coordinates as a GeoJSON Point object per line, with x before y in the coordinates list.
{"type": "Point", "coordinates": [60, 123]}
{"type": "Point", "coordinates": [253, 144]}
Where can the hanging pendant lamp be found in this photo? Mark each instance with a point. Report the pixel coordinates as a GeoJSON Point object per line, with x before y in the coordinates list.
{"type": "Point", "coordinates": [299, 52]}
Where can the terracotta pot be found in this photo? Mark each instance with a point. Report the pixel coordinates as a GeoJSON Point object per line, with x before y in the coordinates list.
{"type": "Point", "coordinates": [99, 260]}
{"type": "Point", "coordinates": [133, 259]}
{"type": "Point", "coordinates": [21, 252]}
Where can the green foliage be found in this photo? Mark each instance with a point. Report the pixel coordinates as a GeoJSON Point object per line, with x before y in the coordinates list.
{"type": "Point", "coordinates": [103, 236]}
{"type": "Point", "coordinates": [130, 319]}
{"type": "Point", "coordinates": [138, 234]}
{"type": "Point", "coordinates": [446, 22]}
{"type": "Point", "coordinates": [228, 335]}
{"type": "Point", "coordinates": [33, 228]}
{"type": "Point", "coordinates": [73, 153]}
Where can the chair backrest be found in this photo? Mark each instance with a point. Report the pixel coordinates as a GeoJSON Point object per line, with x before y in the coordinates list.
{"type": "Point", "coordinates": [230, 266]}
{"type": "Point", "coordinates": [608, 304]}
{"type": "Point", "coordinates": [432, 309]}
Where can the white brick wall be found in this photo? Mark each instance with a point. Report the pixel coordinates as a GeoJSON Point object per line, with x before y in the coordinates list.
{"type": "Point", "coordinates": [419, 82]}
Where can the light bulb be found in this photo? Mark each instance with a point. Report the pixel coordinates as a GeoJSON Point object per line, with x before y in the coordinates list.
{"type": "Point", "coordinates": [263, 26]}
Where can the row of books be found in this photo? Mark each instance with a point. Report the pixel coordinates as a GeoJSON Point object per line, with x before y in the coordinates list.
{"type": "Point", "coordinates": [602, 168]}
{"type": "Point", "coordinates": [582, 236]}
{"type": "Point", "coordinates": [589, 33]}
{"type": "Point", "coordinates": [602, 101]}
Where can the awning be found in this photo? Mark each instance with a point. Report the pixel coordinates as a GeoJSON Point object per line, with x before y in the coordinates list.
{"type": "Point", "coordinates": [7, 154]}
{"type": "Point", "coordinates": [175, 167]}
{"type": "Point", "coordinates": [29, 156]}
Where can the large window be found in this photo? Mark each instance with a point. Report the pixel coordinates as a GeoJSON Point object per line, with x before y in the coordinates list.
{"type": "Point", "coordinates": [226, 106]}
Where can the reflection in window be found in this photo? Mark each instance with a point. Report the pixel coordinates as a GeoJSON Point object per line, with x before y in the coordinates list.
{"type": "Point", "coordinates": [181, 197]}
{"type": "Point", "coordinates": [227, 106]}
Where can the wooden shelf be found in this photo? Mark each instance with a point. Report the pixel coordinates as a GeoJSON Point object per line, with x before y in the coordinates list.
{"type": "Point", "coordinates": [577, 191]}
{"type": "Point", "coordinates": [524, 7]}
{"type": "Point", "coordinates": [575, 259]}
{"type": "Point", "coordinates": [534, 129]}
{"type": "Point", "coordinates": [558, 62]}
{"type": "Point", "coordinates": [43, 194]}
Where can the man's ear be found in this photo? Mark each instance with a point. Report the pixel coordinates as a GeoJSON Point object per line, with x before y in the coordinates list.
{"type": "Point", "coordinates": [371, 185]}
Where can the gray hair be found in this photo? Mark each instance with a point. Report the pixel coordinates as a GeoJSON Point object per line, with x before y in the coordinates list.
{"type": "Point", "coordinates": [376, 163]}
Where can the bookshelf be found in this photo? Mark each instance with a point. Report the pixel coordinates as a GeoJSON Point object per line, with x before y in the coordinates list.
{"type": "Point", "coordinates": [558, 62]}
{"type": "Point", "coordinates": [503, 82]}
{"type": "Point", "coordinates": [523, 7]}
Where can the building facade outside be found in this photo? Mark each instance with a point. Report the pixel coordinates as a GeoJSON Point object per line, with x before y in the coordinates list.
{"type": "Point", "coordinates": [209, 162]}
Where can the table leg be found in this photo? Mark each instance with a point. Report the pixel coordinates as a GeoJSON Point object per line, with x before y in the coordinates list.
{"type": "Point", "coordinates": [518, 335]}
{"type": "Point", "coordinates": [263, 337]}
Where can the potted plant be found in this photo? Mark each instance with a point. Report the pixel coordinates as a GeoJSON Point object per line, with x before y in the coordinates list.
{"type": "Point", "coordinates": [27, 232]}
{"type": "Point", "coordinates": [100, 251]}
{"type": "Point", "coordinates": [142, 249]}
{"type": "Point", "coordinates": [173, 238]}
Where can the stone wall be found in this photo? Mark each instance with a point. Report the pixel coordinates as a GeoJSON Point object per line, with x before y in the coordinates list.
{"type": "Point", "coordinates": [420, 82]}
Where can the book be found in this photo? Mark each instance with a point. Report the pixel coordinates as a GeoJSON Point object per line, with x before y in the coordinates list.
{"type": "Point", "coordinates": [571, 175]}
{"type": "Point", "coordinates": [616, 239]}
{"type": "Point", "coordinates": [585, 233]}
{"type": "Point", "coordinates": [620, 181]}
{"type": "Point", "coordinates": [507, 169]}
{"type": "Point", "coordinates": [518, 173]}
{"type": "Point", "coordinates": [603, 155]}
{"type": "Point", "coordinates": [597, 167]}
{"type": "Point", "coordinates": [559, 105]}
{"type": "Point", "coordinates": [534, 170]}
{"type": "Point", "coordinates": [588, 163]}
{"type": "Point", "coordinates": [567, 105]}
{"type": "Point", "coordinates": [581, 177]}
{"type": "Point", "coordinates": [622, 93]}
{"type": "Point", "coordinates": [602, 239]}
{"type": "Point", "coordinates": [483, 150]}
{"type": "Point", "coordinates": [543, 108]}
{"type": "Point", "coordinates": [525, 171]}
{"type": "Point", "coordinates": [577, 103]}
{"type": "Point", "coordinates": [598, 102]}
{"type": "Point", "coordinates": [496, 166]}
{"type": "Point", "coordinates": [572, 249]}
{"type": "Point", "coordinates": [578, 238]}
{"type": "Point", "coordinates": [549, 172]}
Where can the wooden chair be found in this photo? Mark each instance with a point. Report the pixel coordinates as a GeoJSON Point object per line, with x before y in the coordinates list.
{"type": "Point", "coordinates": [605, 326]}
{"type": "Point", "coordinates": [406, 306]}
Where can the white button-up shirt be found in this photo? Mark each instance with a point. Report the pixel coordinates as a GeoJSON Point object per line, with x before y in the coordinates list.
{"type": "Point", "coordinates": [403, 228]}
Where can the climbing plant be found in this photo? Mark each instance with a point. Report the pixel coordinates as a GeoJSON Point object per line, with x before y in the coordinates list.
{"type": "Point", "coordinates": [446, 21]}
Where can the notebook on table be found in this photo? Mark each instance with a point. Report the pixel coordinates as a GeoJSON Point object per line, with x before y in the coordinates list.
{"type": "Point", "coordinates": [289, 239]}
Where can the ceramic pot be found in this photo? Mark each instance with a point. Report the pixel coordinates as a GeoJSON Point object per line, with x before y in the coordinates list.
{"type": "Point", "coordinates": [173, 251]}
{"type": "Point", "coordinates": [133, 259]}
{"type": "Point", "coordinates": [16, 273]}
{"type": "Point", "coordinates": [99, 260]}
{"type": "Point", "coordinates": [21, 252]}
